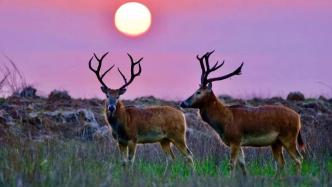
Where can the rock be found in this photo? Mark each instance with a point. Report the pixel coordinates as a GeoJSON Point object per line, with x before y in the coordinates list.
{"type": "Point", "coordinates": [330, 100]}
{"type": "Point", "coordinates": [81, 116]}
{"type": "Point", "coordinates": [69, 116]}
{"type": "Point", "coordinates": [295, 96]}
{"type": "Point", "coordinates": [275, 100]}
{"type": "Point", "coordinates": [35, 120]}
{"type": "Point", "coordinates": [28, 92]}
{"type": "Point", "coordinates": [317, 105]}
{"type": "Point", "coordinates": [2, 101]}
{"type": "Point", "coordinates": [237, 102]}
{"type": "Point", "coordinates": [90, 124]}
{"type": "Point", "coordinates": [57, 95]}
{"type": "Point", "coordinates": [73, 123]}
{"type": "Point", "coordinates": [103, 132]}
{"type": "Point", "coordinates": [149, 101]}
{"type": "Point", "coordinates": [55, 116]}
{"type": "Point", "coordinates": [5, 118]}
{"type": "Point", "coordinates": [87, 117]}
{"type": "Point", "coordinates": [225, 98]}
{"type": "Point", "coordinates": [95, 102]}
{"type": "Point", "coordinates": [323, 98]}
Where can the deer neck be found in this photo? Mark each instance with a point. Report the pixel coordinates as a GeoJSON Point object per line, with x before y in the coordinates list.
{"type": "Point", "coordinates": [119, 116]}
{"type": "Point", "coordinates": [215, 114]}
{"type": "Point", "coordinates": [118, 123]}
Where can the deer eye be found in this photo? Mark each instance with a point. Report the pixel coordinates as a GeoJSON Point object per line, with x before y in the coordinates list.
{"type": "Point", "coordinates": [198, 93]}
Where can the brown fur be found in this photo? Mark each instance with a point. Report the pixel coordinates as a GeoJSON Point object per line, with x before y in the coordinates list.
{"type": "Point", "coordinates": [272, 125]}
{"type": "Point", "coordinates": [163, 124]}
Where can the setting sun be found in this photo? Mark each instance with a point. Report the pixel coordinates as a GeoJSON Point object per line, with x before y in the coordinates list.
{"type": "Point", "coordinates": [132, 19]}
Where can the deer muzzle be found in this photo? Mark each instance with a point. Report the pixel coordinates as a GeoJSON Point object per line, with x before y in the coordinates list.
{"type": "Point", "coordinates": [184, 104]}
{"type": "Point", "coordinates": [111, 108]}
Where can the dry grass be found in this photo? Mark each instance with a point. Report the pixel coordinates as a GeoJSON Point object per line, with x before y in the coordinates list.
{"type": "Point", "coordinates": [95, 163]}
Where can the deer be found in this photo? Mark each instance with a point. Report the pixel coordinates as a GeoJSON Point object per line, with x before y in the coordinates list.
{"type": "Point", "coordinates": [276, 126]}
{"type": "Point", "coordinates": [135, 125]}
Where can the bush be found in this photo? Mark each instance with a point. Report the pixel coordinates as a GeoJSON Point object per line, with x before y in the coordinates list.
{"type": "Point", "coordinates": [28, 92]}
{"type": "Point", "coordinates": [295, 96]}
{"type": "Point", "coordinates": [57, 95]}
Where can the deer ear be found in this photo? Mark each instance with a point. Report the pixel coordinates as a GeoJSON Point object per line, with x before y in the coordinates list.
{"type": "Point", "coordinates": [122, 91]}
{"type": "Point", "coordinates": [209, 86]}
{"type": "Point", "coordinates": [104, 89]}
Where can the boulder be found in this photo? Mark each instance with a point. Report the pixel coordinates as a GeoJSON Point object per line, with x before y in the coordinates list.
{"type": "Point", "coordinates": [295, 96]}
{"type": "Point", "coordinates": [87, 117]}
{"type": "Point", "coordinates": [80, 116]}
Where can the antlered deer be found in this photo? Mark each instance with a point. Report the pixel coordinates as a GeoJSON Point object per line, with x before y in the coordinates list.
{"type": "Point", "coordinates": [132, 126]}
{"type": "Point", "coordinates": [272, 125]}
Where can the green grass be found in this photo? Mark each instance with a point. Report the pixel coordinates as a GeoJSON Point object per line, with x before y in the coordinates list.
{"type": "Point", "coordinates": [74, 163]}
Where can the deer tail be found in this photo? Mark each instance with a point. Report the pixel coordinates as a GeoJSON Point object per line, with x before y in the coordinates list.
{"type": "Point", "coordinates": [300, 142]}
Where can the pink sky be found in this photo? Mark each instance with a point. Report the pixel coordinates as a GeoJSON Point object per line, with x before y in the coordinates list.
{"type": "Point", "coordinates": [286, 45]}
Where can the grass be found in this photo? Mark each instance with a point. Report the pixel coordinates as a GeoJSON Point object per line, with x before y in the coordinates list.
{"type": "Point", "coordinates": [76, 163]}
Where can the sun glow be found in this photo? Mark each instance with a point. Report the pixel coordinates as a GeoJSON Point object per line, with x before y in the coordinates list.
{"type": "Point", "coordinates": [132, 19]}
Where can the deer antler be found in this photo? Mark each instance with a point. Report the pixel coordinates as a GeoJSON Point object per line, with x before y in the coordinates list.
{"type": "Point", "coordinates": [132, 71]}
{"type": "Point", "coordinates": [206, 70]}
{"type": "Point", "coordinates": [97, 71]}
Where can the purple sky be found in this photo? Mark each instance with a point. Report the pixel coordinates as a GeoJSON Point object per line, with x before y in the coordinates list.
{"type": "Point", "coordinates": [286, 45]}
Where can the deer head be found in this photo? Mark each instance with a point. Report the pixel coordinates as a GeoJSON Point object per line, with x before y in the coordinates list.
{"type": "Point", "coordinates": [113, 95]}
{"type": "Point", "coordinates": [204, 92]}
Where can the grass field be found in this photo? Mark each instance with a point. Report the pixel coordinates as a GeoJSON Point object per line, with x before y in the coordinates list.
{"type": "Point", "coordinates": [46, 151]}
{"type": "Point", "coordinates": [77, 163]}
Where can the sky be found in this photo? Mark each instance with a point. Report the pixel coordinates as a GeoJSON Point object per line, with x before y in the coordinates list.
{"type": "Point", "coordinates": [285, 45]}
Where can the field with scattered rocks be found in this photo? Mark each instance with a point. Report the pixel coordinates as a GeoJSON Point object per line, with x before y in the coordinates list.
{"type": "Point", "coordinates": [62, 141]}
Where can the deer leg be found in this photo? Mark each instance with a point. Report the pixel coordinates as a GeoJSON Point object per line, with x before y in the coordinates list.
{"type": "Point", "coordinates": [182, 147]}
{"type": "Point", "coordinates": [124, 154]}
{"type": "Point", "coordinates": [279, 157]}
{"type": "Point", "coordinates": [166, 146]}
{"type": "Point", "coordinates": [242, 162]}
{"type": "Point", "coordinates": [132, 151]}
{"type": "Point", "coordinates": [295, 154]}
{"type": "Point", "coordinates": [235, 149]}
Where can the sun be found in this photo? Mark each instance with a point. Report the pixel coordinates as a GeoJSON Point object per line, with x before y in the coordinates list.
{"type": "Point", "coordinates": [132, 19]}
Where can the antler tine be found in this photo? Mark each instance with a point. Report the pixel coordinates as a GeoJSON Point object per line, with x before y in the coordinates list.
{"type": "Point", "coordinates": [206, 70]}
{"type": "Point", "coordinates": [124, 78]}
{"type": "Point", "coordinates": [236, 72]}
{"type": "Point", "coordinates": [133, 63]}
{"type": "Point", "coordinates": [202, 67]}
{"type": "Point", "coordinates": [207, 56]}
{"type": "Point", "coordinates": [90, 64]}
{"type": "Point", "coordinates": [109, 69]}
{"type": "Point", "coordinates": [97, 71]}
{"type": "Point", "coordinates": [102, 57]}
{"type": "Point", "coordinates": [217, 65]}
{"type": "Point", "coordinates": [132, 71]}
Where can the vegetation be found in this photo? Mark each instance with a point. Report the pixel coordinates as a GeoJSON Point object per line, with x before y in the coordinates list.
{"type": "Point", "coordinates": [78, 163]}
{"type": "Point", "coordinates": [12, 79]}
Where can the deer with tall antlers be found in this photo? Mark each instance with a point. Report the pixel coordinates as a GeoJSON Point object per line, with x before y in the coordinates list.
{"type": "Point", "coordinates": [272, 125]}
{"type": "Point", "coordinates": [133, 125]}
